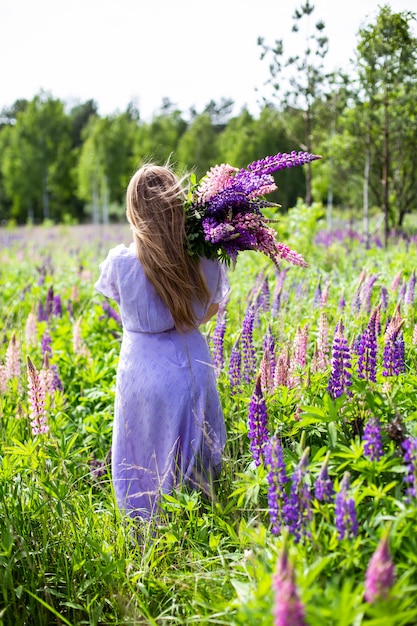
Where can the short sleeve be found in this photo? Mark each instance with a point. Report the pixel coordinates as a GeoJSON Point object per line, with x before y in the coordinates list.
{"type": "Point", "coordinates": [222, 287]}
{"type": "Point", "coordinates": [107, 283]}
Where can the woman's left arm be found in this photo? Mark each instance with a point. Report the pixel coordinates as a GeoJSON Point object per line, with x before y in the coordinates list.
{"type": "Point", "coordinates": [211, 311]}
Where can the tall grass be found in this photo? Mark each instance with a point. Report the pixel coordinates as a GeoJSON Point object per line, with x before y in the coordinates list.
{"type": "Point", "coordinates": [67, 555]}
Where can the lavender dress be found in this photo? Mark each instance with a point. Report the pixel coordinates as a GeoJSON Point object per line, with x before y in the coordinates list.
{"type": "Point", "coordinates": [168, 422]}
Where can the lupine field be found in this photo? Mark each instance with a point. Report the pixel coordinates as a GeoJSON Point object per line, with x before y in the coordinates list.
{"type": "Point", "coordinates": [314, 519]}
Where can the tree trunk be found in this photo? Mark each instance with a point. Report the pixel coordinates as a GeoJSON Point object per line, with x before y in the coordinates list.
{"type": "Point", "coordinates": [385, 171]}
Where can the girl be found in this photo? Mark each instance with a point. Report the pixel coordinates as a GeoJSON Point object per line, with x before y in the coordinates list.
{"type": "Point", "coordinates": [168, 422]}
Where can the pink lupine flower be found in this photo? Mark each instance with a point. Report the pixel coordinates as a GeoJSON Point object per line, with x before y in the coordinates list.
{"type": "Point", "coordinates": [300, 347]}
{"type": "Point", "coordinates": [13, 359]}
{"type": "Point", "coordinates": [36, 396]}
{"type": "Point", "coordinates": [217, 178]}
{"type": "Point", "coordinates": [46, 376]}
{"type": "Point", "coordinates": [282, 368]}
{"type": "Point", "coordinates": [396, 281]}
{"type": "Point", "coordinates": [323, 342]}
{"type": "Point", "coordinates": [324, 295]}
{"type": "Point", "coordinates": [78, 344]}
{"type": "Point", "coordinates": [30, 329]}
{"type": "Point", "coordinates": [380, 573]}
{"type": "Point", "coordinates": [3, 379]}
{"type": "Point", "coordinates": [288, 608]}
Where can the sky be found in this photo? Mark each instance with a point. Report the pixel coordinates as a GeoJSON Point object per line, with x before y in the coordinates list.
{"type": "Point", "coordinates": [121, 51]}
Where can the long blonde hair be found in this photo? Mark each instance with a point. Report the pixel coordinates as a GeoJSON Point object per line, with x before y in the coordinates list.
{"type": "Point", "coordinates": [154, 209]}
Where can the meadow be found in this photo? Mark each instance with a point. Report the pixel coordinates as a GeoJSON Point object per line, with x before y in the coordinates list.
{"type": "Point", "coordinates": [314, 518]}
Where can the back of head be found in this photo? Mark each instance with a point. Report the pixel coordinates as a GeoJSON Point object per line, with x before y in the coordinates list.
{"type": "Point", "coordinates": [154, 209]}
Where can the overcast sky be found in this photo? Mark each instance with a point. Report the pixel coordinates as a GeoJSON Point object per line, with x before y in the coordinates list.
{"type": "Point", "coordinates": [118, 51]}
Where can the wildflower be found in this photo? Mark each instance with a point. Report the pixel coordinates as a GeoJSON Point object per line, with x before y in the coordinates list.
{"type": "Point", "coordinates": [224, 210]}
{"type": "Point", "coordinates": [297, 508]}
{"type": "Point", "coordinates": [396, 281]}
{"type": "Point", "coordinates": [218, 340]}
{"type": "Point", "coordinates": [409, 446]}
{"type": "Point", "coordinates": [257, 423]}
{"type": "Point", "coordinates": [288, 608]}
{"type": "Point", "coordinates": [267, 367]}
{"type": "Point", "coordinates": [46, 376]}
{"type": "Point", "coordinates": [345, 511]}
{"type": "Point", "coordinates": [46, 343]}
{"type": "Point", "coordinates": [3, 379]}
{"type": "Point", "coordinates": [317, 295]}
{"type": "Point", "coordinates": [13, 358]}
{"type": "Point", "coordinates": [410, 291]}
{"type": "Point", "coordinates": [276, 298]}
{"type": "Point", "coordinates": [368, 350]}
{"type": "Point", "coordinates": [340, 377]}
{"type": "Point", "coordinates": [372, 439]}
{"type": "Point", "coordinates": [325, 295]}
{"type": "Point", "coordinates": [247, 344]}
{"type": "Point", "coordinates": [367, 292]}
{"type": "Point", "coordinates": [78, 344]}
{"type": "Point", "coordinates": [323, 488]}
{"type": "Point", "coordinates": [111, 313]}
{"type": "Point", "coordinates": [264, 296]}
{"type": "Point", "coordinates": [384, 298]}
{"type": "Point", "coordinates": [342, 301]}
{"type": "Point", "coordinates": [394, 353]}
{"type": "Point", "coordinates": [36, 395]}
{"type": "Point", "coordinates": [30, 329]}
{"type": "Point", "coordinates": [300, 347]}
{"type": "Point", "coordinates": [49, 304]}
{"type": "Point", "coordinates": [282, 368]}
{"type": "Point", "coordinates": [235, 363]}
{"type": "Point", "coordinates": [57, 382]}
{"type": "Point", "coordinates": [380, 573]}
{"type": "Point", "coordinates": [276, 477]}
{"type": "Point", "coordinates": [322, 343]}
{"type": "Point", "coordinates": [57, 306]}
{"type": "Point", "coordinates": [401, 292]}
{"type": "Point", "coordinates": [414, 340]}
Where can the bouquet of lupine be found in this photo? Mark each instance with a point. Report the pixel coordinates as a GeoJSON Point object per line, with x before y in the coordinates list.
{"type": "Point", "coordinates": [224, 210]}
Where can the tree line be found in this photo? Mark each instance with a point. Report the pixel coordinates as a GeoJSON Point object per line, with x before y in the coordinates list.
{"type": "Point", "coordinates": [71, 164]}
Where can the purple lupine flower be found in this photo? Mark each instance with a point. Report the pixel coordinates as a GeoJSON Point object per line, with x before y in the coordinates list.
{"type": "Point", "coordinates": [42, 317]}
{"type": "Point", "coordinates": [379, 577]}
{"type": "Point", "coordinates": [342, 301]}
{"type": "Point", "coordinates": [111, 312]}
{"type": "Point", "coordinates": [248, 350]}
{"type": "Point", "coordinates": [411, 288]}
{"type": "Point", "coordinates": [372, 439]}
{"type": "Point", "coordinates": [258, 423]}
{"type": "Point", "coordinates": [57, 382]}
{"type": "Point", "coordinates": [49, 303]}
{"type": "Point", "coordinates": [366, 293]}
{"type": "Point", "coordinates": [409, 446]}
{"type": "Point", "coordinates": [401, 291]}
{"type": "Point", "coordinates": [340, 377]}
{"type": "Point", "coordinates": [384, 298]}
{"type": "Point", "coordinates": [323, 487]}
{"type": "Point", "coordinates": [297, 511]}
{"type": "Point", "coordinates": [57, 306]}
{"type": "Point", "coordinates": [218, 342]}
{"type": "Point", "coordinates": [288, 608]}
{"type": "Point", "coordinates": [36, 396]}
{"type": "Point", "coordinates": [264, 296]}
{"type": "Point", "coordinates": [317, 295]}
{"type": "Point", "coordinates": [276, 477]}
{"type": "Point", "coordinates": [394, 351]}
{"type": "Point", "coordinates": [235, 372]}
{"type": "Point", "coordinates": [276, 298]}
{"type": "Point", "coordinates": [345, 511]}
{"type": "Point", "coordinates": [368, 349]}
{"type": "Point", "coordinates": [46, 343]}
